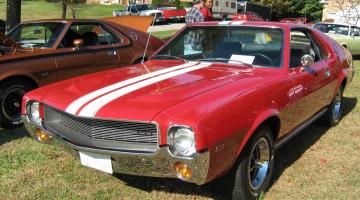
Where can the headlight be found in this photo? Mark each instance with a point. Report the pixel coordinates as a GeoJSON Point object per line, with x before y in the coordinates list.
{"type": "Point", "coordinates": [34, 112]}
{"type": "Point", "coordinates": [182, 141]}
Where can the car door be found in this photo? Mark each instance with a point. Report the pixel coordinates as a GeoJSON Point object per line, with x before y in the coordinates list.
{"type": "Point", "coordinates": [99, 50]}
{"type": "Point", "coordinates": [353, 41]}
{"type": "Point", "coordinates": [311, 89]}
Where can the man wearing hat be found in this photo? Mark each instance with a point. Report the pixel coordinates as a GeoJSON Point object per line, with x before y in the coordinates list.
{"type": "Point", "coordinates": [194, 14]}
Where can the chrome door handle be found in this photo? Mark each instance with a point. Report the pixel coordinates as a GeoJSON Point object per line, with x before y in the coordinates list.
{"type": "Point", "coordinates": [112, 52]}
{"type": "Point", "coordinates": [327, 72]}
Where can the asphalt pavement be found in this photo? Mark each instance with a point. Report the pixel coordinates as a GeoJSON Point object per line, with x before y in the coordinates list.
{"type": "Point", "coordinates": [166, 27]}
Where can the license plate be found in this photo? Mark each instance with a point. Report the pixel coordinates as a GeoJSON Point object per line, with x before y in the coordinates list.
{"type": "Point", "coordinates": [97, 161]}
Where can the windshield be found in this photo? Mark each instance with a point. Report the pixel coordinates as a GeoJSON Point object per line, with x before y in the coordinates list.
{"type": "Point", "coordinates": [250, 45]}
{"type": "Point", "coordinates": [333, 28]}
{"type": "Point", "coordinates": [37, 35]}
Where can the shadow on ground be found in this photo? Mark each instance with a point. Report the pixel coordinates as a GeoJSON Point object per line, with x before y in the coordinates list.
{"type": "Point", "coordinates": [285, 157]}
{"type": "Point", "coordinates": [293, 150]}
{"type": "Point", "coordinates": [7, 135]}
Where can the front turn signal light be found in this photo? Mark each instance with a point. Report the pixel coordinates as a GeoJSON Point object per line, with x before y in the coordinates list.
{"type": "Point", "coordinates": [42, 136]}
{"type": "Point", "coordinates": [183, 171]}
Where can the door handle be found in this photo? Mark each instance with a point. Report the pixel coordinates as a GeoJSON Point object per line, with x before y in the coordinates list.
{"type": "Point", "coordinates": [327, 72]}
{"type": "Point", "coordinates": [112, 52]}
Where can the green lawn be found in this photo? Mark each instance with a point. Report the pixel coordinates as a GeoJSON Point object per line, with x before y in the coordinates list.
{"type": "Point", "coordinates": [320, 163]}
{"type": "Point", "coordinates": [32, 10]}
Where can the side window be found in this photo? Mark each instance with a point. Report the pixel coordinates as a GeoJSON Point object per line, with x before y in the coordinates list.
{"type": "Point", "coordinates": [92, 34]}
{"type": "Point", "coordinates": [302, 43]}
{"type": "Point", "coordinates": [355, 31]}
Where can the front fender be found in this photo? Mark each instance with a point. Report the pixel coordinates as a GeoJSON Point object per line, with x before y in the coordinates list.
{"type": "Point", "coordinates": [259, 120]}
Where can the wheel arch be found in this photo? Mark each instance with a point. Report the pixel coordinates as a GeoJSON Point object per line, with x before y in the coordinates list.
{"type": "Point", "coordinates": [268, 118]}
{"type": "Point", "coordinates": [26, 78]}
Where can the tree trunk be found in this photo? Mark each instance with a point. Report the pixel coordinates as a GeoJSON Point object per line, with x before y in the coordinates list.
{"type": "Point", "coordinates": [13, 13]}
{"type": "Point", "coordinates": [64, 8]}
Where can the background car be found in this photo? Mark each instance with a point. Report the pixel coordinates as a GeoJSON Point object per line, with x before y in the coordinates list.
{"type": "Point", "coordinates": [219, 98]}
{"type": "Point", "coordinates": [172, 13]}
{"type": "Point", "coordinates": [247, 16]}
{"type": "Point", "coordinates": [299, 20]}
{"type": "Point", "coordinates": [37, 53]}
{"type": "Point", "coordinates": [346, 35]}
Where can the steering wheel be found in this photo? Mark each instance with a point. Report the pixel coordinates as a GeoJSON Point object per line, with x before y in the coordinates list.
{"type": "Point", "coordinates": [264, 57]}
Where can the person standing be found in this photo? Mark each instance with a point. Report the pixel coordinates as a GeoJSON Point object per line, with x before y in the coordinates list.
{"type": "Point", "coordinates": [206, 10]}
{"type": "Point", "coordinates": [194, 14]}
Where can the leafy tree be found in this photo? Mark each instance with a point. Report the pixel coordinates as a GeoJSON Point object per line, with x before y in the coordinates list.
{"type": "Point", "coordinates": [295, 8]}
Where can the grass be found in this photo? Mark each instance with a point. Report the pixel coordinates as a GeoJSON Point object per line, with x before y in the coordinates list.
{"type": "Point", "coordinates": [40, 9]}
{"type": "Point", "coordinates": [320, 163]}
{"type": "Point", "coordinates": [164, 34]}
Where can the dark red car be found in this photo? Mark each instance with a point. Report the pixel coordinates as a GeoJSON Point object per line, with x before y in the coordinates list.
{"type": "Point", "coordinates": [173, 14]}
{"type": "Point", "coordinates": [218, 99]}
{"type": "Point", "coordinates": [247, 16]}
{"type": "Point", "coordinates": [37, 53]}
{"type": "Point", "coordinates": [299, 20]}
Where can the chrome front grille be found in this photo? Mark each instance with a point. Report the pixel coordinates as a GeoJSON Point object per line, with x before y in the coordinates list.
{"type": "Point", "coordinates": [101, 132]}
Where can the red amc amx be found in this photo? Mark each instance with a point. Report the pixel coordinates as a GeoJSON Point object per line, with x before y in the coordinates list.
{"type": "Point", "coordinates": [219, 98]}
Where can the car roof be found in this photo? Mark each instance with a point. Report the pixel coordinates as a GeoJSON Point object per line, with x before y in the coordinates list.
{"type": "Point", "coordinates": [63, 20]}
{"type": "Point", "coordinates": [250, 23]}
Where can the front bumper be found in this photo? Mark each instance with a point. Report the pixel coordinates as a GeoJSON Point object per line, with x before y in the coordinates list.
{"type": "Point", "coordinates": [158, 164]}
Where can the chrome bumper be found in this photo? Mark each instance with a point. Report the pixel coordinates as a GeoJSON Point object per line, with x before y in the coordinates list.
{"type": "Point", "coordinates": [158, 164]}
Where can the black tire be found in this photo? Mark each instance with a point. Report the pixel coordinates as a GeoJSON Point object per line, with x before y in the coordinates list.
{"type": "Point", "coordinates": [245, 185]}
{"type": "Point", "coordinates": [11, 94]}
{"type": "Point", "coordinates": [334, 113]}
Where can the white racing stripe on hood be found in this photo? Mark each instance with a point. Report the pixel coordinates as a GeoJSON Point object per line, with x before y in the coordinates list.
{"type": "Point", "coordinates": [78, 103]}
{"type": "Point", "coordinates": [92, 108]}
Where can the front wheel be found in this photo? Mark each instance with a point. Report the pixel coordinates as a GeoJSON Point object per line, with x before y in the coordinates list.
{"type": "Point", "coordinates": [253, 172]}
{"type": "Point", "coordinates": [11, 94]}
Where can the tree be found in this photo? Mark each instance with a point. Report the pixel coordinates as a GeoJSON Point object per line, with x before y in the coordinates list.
{"type": "Point", "coordinates": [13, 13]}
{"type": "Point", "coordinates": [350, 11]}
{"type": "Point", "coordinates": [64, 9]}
{"type": "Point", "coordinates": [295, 8]}
{"type": "Point", "coordinates": [74, 6]}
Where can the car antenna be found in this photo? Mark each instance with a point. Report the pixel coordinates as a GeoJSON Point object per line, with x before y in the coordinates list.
{"type": "Point", "coordinates": [148, 40]}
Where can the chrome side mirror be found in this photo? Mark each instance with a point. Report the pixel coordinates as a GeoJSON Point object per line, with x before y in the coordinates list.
{"type": "Point", "coordinates": [307, 60]}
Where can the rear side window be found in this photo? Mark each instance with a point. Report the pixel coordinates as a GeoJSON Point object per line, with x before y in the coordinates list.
{"type": "Point", "coordinates": [92, 34]}
{"type": "Point", "coordinates": [302, 43]}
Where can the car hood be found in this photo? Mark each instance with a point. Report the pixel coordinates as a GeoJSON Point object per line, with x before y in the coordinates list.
{"type": "Point", "coordinates": [137, 92]}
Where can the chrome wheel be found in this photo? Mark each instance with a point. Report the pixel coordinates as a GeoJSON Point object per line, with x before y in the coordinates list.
{"type": "Point", "coordinates": [337, 106]}
{"type": "Point", "coordinates": [259, 163]}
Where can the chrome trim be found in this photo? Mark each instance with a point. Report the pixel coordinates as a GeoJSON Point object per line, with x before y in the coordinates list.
{"type": "Point", "coordinates": [108, 119]}
{"type": "Point", "coordinates": [168, 138]}
{"type": "Point", "coordinates": [298, 129]}
{"type": "Point", "coordinates": [157, 164]}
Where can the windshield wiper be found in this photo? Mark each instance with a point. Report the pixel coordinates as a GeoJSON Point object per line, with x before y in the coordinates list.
{"type": "Point", "coordinates": [169, 56]}
{"type": "Point", "coordinates": [222, 60]}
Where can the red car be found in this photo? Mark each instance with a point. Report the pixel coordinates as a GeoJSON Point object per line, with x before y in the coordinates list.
{"type": "Point", "coordinates": [173, 14]}
{"type": "Point", "coordinates": [219, 98]}
{"type": "Point", "coordinates": [247, 16]}
{"type": "Point", "coordinates": [299, 20]}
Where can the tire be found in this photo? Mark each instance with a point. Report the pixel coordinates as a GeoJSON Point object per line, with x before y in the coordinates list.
{"type": "Point", "coordinates": [11, 94]}
{"type": "Point", "coordinates": [334, 113]}
{"type": "Point", "coordinates": [251, 180]}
